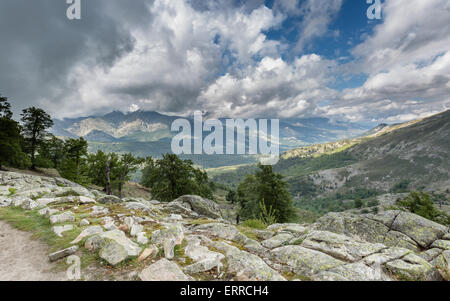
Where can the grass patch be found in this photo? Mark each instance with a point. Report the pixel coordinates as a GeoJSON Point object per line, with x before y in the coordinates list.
{"type": "Point", "coordinates": [201, 221]}
{"type": "Point", "coordinates": [255, 224]}
{"type": "Point", "coordinates": [248, 232]}
{"type": "Point", "coordinates": [39, 226]}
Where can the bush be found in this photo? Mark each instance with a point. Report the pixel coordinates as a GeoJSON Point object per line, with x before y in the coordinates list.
{"type": "Point", "coordinates": [359, 204]}
{"type": "Point", "coordinates": [421, 204]}
{"type": "Point", "coordinates": [255, 224]}
{"type": "Point", "coordinates": [373, 203]}
{"type": "Point", "coordinates": [12, 191]}
{"type": "Point", "coordinates": [401, 187]}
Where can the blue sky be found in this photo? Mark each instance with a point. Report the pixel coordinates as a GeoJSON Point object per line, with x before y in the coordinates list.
{"type": "Point", "coordinates": [254, 58]}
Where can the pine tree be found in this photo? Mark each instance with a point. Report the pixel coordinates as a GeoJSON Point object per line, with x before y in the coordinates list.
{"type": "Point", "coordinates": [10, 138]}
{"type": "Point", "coordinates": [266, 190]}
{"type": "Point", "coordinates": [171, 177]}
{"type": "Point", "coordinates": [36, 123]}
{"type": "Point", "coordinates": [75, 152]}
{"type": "Point", "coordinates": [127, 164]}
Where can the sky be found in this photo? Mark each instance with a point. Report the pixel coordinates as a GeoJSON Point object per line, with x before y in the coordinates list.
{"type": "Point", "coordinates": [230, 58]}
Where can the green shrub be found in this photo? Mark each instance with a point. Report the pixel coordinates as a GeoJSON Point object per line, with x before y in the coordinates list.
{"type": "Point", "coordinates": [267, 215]}
{"type": "Point", "coordinates": [421, 204]}
{"type": "Point", "coordinates": [255, 224]}
{"type": "Point", "coordinates": [359, 204]}
{"type": "Point", "coordinates": [373, 203]}
{"type": "Point", "coordinates": [12, 191]}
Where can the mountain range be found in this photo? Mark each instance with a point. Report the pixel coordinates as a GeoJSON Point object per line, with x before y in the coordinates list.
{"type": "Point", "coordinates": [416, 153]}
{"type": "Point", "coordinates": [146, 133]}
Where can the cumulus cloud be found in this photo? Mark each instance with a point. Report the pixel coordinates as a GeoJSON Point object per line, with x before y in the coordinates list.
{"type": "Point", "coordinates": [407, 60]}
{"type": "Point", "coordinates": [217, 56]}
{"type": "Point", "coordinates": [272, 88]}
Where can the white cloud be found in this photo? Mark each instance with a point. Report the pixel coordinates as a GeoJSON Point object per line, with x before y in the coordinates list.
{"type": "Point", "coordinates": [272, 88]}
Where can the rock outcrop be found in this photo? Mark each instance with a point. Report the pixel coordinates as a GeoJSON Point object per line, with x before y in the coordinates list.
{"type": "Point", "coordinates": [188, 239]}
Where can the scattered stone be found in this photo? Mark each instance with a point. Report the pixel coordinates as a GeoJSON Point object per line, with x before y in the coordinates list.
{"type": "Point", "coordinates": [98, 210]}
{"type": "Point", "coordinates": [5, 201]}
{"type": "Point", "coordinates": [443, 265]}
{"type": "Point", "coordinates": [47, 212]}
{"type": "Point", "coordinates": [441, 244]}
{"type": "Point", "coordinates": [385, 256]}
{"type": "Point", "coordinates": [148, 253]}
{"type": "Point", "coordinates": [340, 246]}
{"type": "Point", "coordinates": [141, 238]}
{"type": "Point", "coordinates": [410, 268]}
{"type": "Point", "coordinates": [164, 270]}
{"type": "Point", "coordinates": [63, 253]}
{"type": "Point", "coordinates": [109, 199]}
{"type": "Point", "coordinates": [431, 254]}
{"type": "Point", "coordinates": [169, 246]}
{"type": "Point", "coordinates": [88, 232]}
{"type": "Point", "coordinates": [199, 253]}
{"type": "Point", "coordinates": [59, 230]}
{"type": "Point", "coordinates": [203, 266]}
{"type": "Point", "coordinates": [113, 252]}
{"type": "Point", "coordinates": [65, 217]}
{"type": "Point", "coordinates": [351, 272]}
{"type": "Point", "coordinates": [137, 206]}
{"type": "Point", "coordinates": [84, 223]}
{"type": "Point", "coordinates": [129, 221]}
{"type": "Point", "coordinates": [95, 243]}
{"type": "Point", "coordinates": [295, 229]}
{"type": "Point", "coordinates": [223, 231]}
{"type": "Point", "coordinates": [172, 231]}
{"type": "Point", "coordinates": [136, 229]}
{"type": "Point", "coordinates": [109, 226]}
{"type": "Point", "coordinates": [29, 204]}
{"type": "Point", "coordinates": [176, 217]}
{"type": "Point", "coordinates": [277, 241]}
{"type": "Point", "coordinates": [249, 267]}
{"type": "Point", "coordinates": [200, 205]}
{"type": "Point", "coordinates": [421, 230]}
{"type": "Point", "coordinates": [264, 234]}
{"type": "Point", "coordinates": [304, 261]}
{"type": "Point", "coordinates": [124, 228]}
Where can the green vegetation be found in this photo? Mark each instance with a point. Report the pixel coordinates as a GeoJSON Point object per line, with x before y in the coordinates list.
{"type": "Point", "coordinates": [421, 204]}
{"type": "Point", "coordinates": [12, 191]}
{"type": "Point", "coordinates": [265, 196]}
{"type": "Point", "coordinates": [359, 203]}
{"type": "Point", "coordinates": [255, 224]}
{"type": "Point", "coordinates": [73, 163]}
{"type": "Point", "coordinates": [35, 125]}
{"type": "Point", "coordinates": [171, 177]}
{"type": "Point", "coordinates": [40, 226]}
{"type": "Point", "coordinates": [401, 187]}
{"type": "Point", "coordinates": [11, 140]}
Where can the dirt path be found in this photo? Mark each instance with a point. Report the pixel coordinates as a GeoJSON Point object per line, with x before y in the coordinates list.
{"type": "Point", "coordinates": [24, 259]}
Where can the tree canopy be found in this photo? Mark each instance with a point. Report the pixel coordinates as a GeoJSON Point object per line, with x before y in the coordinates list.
{"type": "Point", "coordinates": [171, 177]}
{"type": "Point", "coordinates": [36, 123]}
{"type": "Point", "coordinates": [265, 194]}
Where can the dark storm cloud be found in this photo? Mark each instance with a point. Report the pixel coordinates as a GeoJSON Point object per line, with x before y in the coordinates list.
{"type": "Point", "coordinates": [40, 46]}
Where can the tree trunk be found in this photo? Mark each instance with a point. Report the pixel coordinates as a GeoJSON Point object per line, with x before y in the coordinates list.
{"type": "Point", "coordinates": [122, 179]}
{"type": "Point", "coordinates": [108, 178]}
{"type": "Point", "coordinates": [33, 150]}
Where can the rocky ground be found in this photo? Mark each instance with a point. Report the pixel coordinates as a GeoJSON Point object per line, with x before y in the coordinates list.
{"type": "Point", "coordinates": [188, 239]}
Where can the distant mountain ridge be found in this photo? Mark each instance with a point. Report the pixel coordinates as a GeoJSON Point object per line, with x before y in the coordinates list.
{"type": "Point", "coordinates": [415, 152]}
{"type": "Point", "coordinates": [148, 133]}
